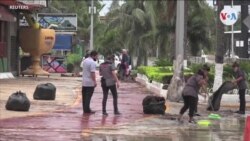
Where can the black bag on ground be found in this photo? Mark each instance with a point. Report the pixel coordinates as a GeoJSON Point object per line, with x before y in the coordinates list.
{"type": "Point", "coordinates": [215, 99]}
{"type": "Point", "coordinates": [18, 102]}
{"type": "Point", "coordinates": [154, 105]}
{"type": "Point", "coordinates": [45, 92]}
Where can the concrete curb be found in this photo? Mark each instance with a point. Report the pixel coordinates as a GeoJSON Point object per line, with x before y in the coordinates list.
{"type": "Point", "coordinates": [154, 87]}
{"type": "Point", "coordinates": [229, 100]}
{"type": "Point", "coordinates": [6, 75]}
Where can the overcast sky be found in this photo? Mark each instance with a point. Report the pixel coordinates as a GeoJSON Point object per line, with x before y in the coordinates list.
{"type": "Point", "coordinates": [108, 3]}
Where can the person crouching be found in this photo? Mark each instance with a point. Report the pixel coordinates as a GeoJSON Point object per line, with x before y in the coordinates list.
{"type": "Point", "coordinates": [190, 94]}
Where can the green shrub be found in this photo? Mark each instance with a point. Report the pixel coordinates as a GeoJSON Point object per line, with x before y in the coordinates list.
{"type": "Point", "coordinates": [160, 74]}
{"type": "Point", "coordinates": [164, 74]}
{"type": "Point", "coordinates": [227, 72]}
{"type": "Point", "coordinates": [74, 59]}
{"type": "Point", "coordinates": [195, 67]}
{"type": "Point", "coordinates": [245, 66]}
{"type": "Point", "coordinates": [163, 62]}
{"type": "Point", "coordinates": [73, 62]}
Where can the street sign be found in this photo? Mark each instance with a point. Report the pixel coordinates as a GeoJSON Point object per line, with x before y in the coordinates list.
{"type": "Point", "coordinates": [247, 21]}
{"type": "Point", "coordinates": [228, 16]}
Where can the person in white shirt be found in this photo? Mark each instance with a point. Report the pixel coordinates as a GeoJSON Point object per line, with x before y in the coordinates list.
{"type": "Point", "coordinates": [88, 81]}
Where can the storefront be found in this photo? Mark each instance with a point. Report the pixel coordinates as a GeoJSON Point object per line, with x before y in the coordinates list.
{"type": "Point", "coordinates": [7, 40]}
{"type": "Point", "coordinates": [9, 24]}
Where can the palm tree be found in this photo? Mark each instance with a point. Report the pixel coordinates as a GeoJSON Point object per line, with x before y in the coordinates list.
{"type": "Point", "coordinates": [146, 26]}
{"type": "Point", "coordinates": [163, 18]}
{"type": "Point", "coordinates": [196, 34]}
{"type": "Point", "coordinates": [134, 29]}
{"type": "Point", "coordinates": [199, 20]}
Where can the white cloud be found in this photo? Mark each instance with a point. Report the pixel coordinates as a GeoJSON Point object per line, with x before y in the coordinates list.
{"type": "Point", "coordinates": [105, 9]}
{"type": "Point", "coordinates": [108, 3]}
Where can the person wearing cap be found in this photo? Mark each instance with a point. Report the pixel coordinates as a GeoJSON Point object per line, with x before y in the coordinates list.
{"type": "Point", "coordinates": [241, 82]}
{"type": "Point", "coordinates": [109, 81]}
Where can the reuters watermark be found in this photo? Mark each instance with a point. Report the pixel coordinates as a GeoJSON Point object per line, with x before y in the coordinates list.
{"type": "Point", "coordinates": [19, 7]}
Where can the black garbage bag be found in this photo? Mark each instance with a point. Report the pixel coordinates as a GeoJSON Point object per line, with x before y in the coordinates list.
{"type": "Point", "coordinates": [154, 105]}
{"type": "Point", "coordinates": [215, 99]}
{"type": "Point", "coordinates": [18, 102]}
{"type": "Point", "coordinates": [45, 92]}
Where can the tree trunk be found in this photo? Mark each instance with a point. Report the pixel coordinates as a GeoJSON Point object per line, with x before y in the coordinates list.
{"type": "Point", "coordinates": [220, 49]}
{"type": "Point", "coordinates": [177, 81]}
{"type": "Point", "coordinates": [145, 58]}
{"type": "Point", "coordinates": [139, 58]}
{"type": "Point", "coordinates": [186, 47]}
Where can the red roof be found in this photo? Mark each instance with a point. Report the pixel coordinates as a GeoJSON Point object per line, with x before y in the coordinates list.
{"type": "Point", "coordinates": [16, 5]}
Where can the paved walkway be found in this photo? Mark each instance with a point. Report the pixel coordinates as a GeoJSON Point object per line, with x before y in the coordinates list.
{"type": "Point", "coordinates": [63, 119]}
{"type": "Point", "coordinates": [66, 94]}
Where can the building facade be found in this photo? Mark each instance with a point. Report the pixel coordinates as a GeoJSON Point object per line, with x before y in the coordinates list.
{"type": "Point", "coordinates": [10, 11]}
{"type": "Point", "coordinates": [8, 36]}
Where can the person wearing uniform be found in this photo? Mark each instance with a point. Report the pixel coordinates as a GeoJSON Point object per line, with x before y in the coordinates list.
{"type": "Point", "coordinates": [88, 80]}
{"type": "Point", "coordinates": [109, 81]}
{"type": "Point", "coordinates": [190, 94]}
{"type": "Point", "coordinates": [240, 80]}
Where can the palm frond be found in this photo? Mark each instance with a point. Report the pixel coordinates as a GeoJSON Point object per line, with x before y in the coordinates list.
{"type": "Point", "coordinates": [139, 15]}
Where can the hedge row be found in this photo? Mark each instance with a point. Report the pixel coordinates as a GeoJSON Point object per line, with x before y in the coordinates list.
{"type": "Point", "coordinates": [164, 74]}
{"type": "Point", "coordinates": [161, 74]}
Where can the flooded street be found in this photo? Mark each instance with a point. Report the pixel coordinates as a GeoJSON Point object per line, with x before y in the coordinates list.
{"type": "Point", "coordinates": [158, 129]}
{"type": "Point", "coordinates": [68, 123]}
{"type": "Point", "coordinates": [150, 129]}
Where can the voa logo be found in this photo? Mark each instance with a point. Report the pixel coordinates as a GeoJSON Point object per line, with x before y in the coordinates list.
{"type": "Point", "coordinates": [228, 16]}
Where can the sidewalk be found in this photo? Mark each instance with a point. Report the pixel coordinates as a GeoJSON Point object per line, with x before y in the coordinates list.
{"type": "Point", "coordinates": [63, 119]}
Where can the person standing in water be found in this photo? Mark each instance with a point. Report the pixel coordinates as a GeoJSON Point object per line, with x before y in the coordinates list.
{"type": "Point", "coordinates": [109, 81]}
{"type": "Point", "coordinates": [88, 81]}
{"type": "Point", "coordinates": [190, 94]}
{"type": "Point", "coordinates": [205, 69]}
{"type": "Point", "coordinates": [240, 81]}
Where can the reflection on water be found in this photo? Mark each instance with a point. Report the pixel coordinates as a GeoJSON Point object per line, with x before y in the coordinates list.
{"type": "Point", "coordinates": [227, 129]}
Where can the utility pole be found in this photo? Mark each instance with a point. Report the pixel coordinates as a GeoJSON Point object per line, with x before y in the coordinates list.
{"type": "Point", "coordinates": [177, 83]}
{"type": "Point", "coordinates": [180, 30]}
{"type": "Point", "coordinates": [232, 36]}
{"type": "Point", "coordinates": [92, 11]}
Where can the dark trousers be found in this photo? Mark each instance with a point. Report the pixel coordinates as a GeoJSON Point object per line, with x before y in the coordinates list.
{"type": "Point", "coordinates": [87, 93]}
{"type": "Point", "coordinates": [113, 90]}
{"type": "Point", "coordinates": [196, 107]}
{"type": "Point", "coordinates": [242, 94]}
{"type": "Point", "coordinates": [189, 103]}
